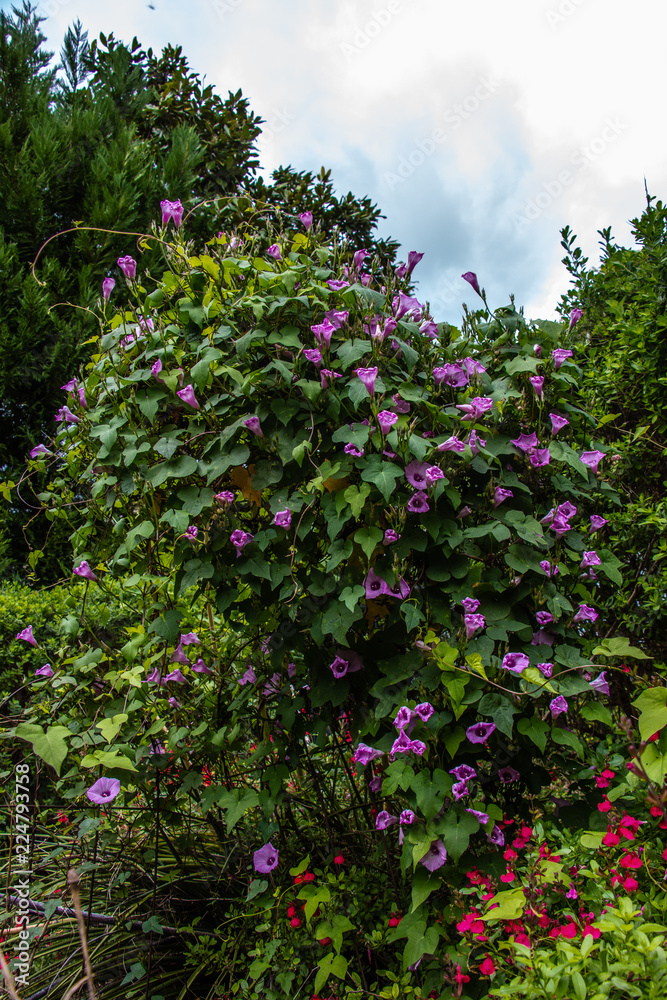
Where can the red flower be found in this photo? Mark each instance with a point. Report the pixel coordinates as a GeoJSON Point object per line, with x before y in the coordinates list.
{"type": "Point", "coordinates": [308, 877]}
{"type": "Point", "coordinates": [339, 860]}
{"type": "Point", "coordinates": [395, 920]}
{"type": "Point", "coordinates": [509, 876]}
{"type": "Point", "coordinates": [510, 855]}
{"type": "Point", "coordinates": [295, 922]}
{"type": "Point", "coordinates": [604, 806]}
{"type": "Point", "coordinates": [630, 884]}
{"type": "Point", "coordinates": [487, 968]}
{"type": "Point", "coordinates": [291, 910]}
{"type": "Point", "coordinates": [325, 941]}
{"type": "Point", "coordinates": [298, 879]}
{"type": "Point", "coordinates": [460, 978]}
{"type": "Point", "coordinates": [611, 839]}
{"type": "Point", "coordinates": [569, 930]}
{"type": "Point", "coordinates": [594, 931]}
{"type": "Point", "coordinates": [631, 861]}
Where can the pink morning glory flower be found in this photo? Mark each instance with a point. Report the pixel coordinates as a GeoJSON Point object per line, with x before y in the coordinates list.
{"type": "Point", "coordinates": [549, 569]}
{"type": "Point", "coordinates": [460, 790]}
{"type": "Point", "coordinates": [47, 671]}
{"type": "Point", "coordinates": [542, 638]}
{"type": "Point", "coordinates": [405, 719]}
{"type": "Point", "coordinates": [597, 522]}
{"type": "Point", "coordinates": [407, 306]}
{"type": "Point", "coordinates": [585, 614]}
{"type": "Point", "coordinates": [525, 442]}
{"type": "Point", "coordinates": [450, 374]}
{"type": "Point", "coordinates": [592, 459]}
{"type": "Point", "coordinates": [418, 503]}
{"type": "Point", "coordinates": [252, 423]}
{"type": "Point", "coordinates": [201, 667]}
{"type": "Point", "coordinates": [274, 251]}
{"type": "Point", "coordinates": [27, 635]}
{"type": "Point", "coordinates": [314, 355]}
{"type": "Point", "coordinates": [470, 604]}
{"type": "Point", "coordinates": [600, 683]}
{"type": "Point", "coordinates": [433, 474]}
{"type": "Point", "coordinates": [249, 677]}
{"type": "Point", "coordinates": [560, 355]}
{"type": "Point", "coordinates": [384, 819]}
{"type": "Point", "coordinates": [400, 405]}
{"type": "Point", "coordinates": [177, 677]}
{"type": "Point", "coordinates": [435, 857]}
{"type": "Point", "coordinates": [557, 422]}
{"type": "Point", "coordinates": [322, 332]}
{"type": "Point", "coordinates": [306, 219]}
{"type": "Point", "coordinates": [471, 278]}
{"type": "Point", "coordinates": [189, 639]}
{"type": "Point", "coordinates": [405, 745]}
{"type": "Point", "coordinates": [473, 623]}
{"type": "Point", "coordinates": [266, 858]}
{"type": "Point", "coordinates": [179, 656]}
{"type": "Point", "coordinates": [590, 558]}
{"type": "Point", "coordinates": [575, 316]}
{"type": "Point", "coordinates": [407, 817]}
{"type": "Point", "coordinates": [128, 266]}
{"type": "Point", "coordinates": [187, 395]}
{"type": "Point", "coordinates": [386, 420]}
{"type": "Point", "coordinates": [107, 288]}
{"type": "Point", "coordinates": [496, 837]}
{"type": "Point", "coordinates": [480, 732]}
{"type": "Point", "coordinates": [540, 457]}
{"type": "Point", "coordinates": [476, 408]}
{"type": "Point", "coordinates": [452, 444]}
{"type": "Point", "coordinates": [174, 703]}
{"type": "Point", "coordinates": [375, 585]}
{"type": "Point", "coordinates": [413, 259]}
{"type": "Point", "coordinates": [473, 367]}
{"type": "Point", "coordinates": [481, 817]}
{"type": "Point", "coordinates": [191, 532]}
{"type": "Point", "coordinates": [367, 376]}
{"type": "Point", "coordinates": [283, 519]}
{"type": "Point", "coordinates": [508, 775]}
{"type": "Point", "coordinates": [41, 449]}
{"type": "Point", "coordinates": [544, 617]}
{"type": "Point", "coordinates": [537, 382]}
{"type": "Point", "coordinates": [103, 791]}
{"type": "Point", "coordinates": [65, 415]}
{"type": "Point", "coordinates": [225, 497]}
{"type": "Point", "coordinates": [546, 669]}
{"type": "Point", "coordinates": [390, 536]}
{"type": "Point", "coordinates": [83, 570]}
{"type": "Point", "coordinates": [339, 667]}
{"type": "Point", "coordinates": [327, 376]}
{"type": "Point", "coordinates": [463, 772]}
{"type": "Point", "coordinates": [172, 210]}
{"type": "Point", "coordinates": [364, 754]}
{"type": "Point", "coordinates": [415, 473]}
{"type": "Point", "coordinates": [500, 495]}
{"type": "Point", "coordinates": [424, 711]}
{"type": "Point", "coordinates": [558, 705]}
{"type": "Point", "coordinates": [156, 368]}
{"type": "Point", "coordinates": [337, 317]}
{"type": "Point", "coordinates": [429, 328]}
{"type": "Point", "coordinates": [516, 662]}
{"type": "Point", "coordinates": [474, 442]}
{"type": "Point", "coordinates": [154, 677]}
{"type": "Point", "coordinates": [351, 449]}
{"type": "Point", "coordinates": [337, 284]}
{"type": "Point", "coordinates": [240, 539]}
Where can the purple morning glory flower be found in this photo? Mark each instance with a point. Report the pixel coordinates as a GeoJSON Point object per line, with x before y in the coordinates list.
{"type": "Point", "coordinates": [314, 355]}
{"type": "Point", "coordinates": [249, 677]}
{"type": "Point", "coordinates": [481, 817]}
{"type": "Point", "coordinates": [544, 617]}
{"type": "Point", "coordinates": [179, 656]}
{"type": "Point", "coordinates": [41, 449]}
{"type": "Point", "coordinates": [107, 288]}
{"type": "Point", "coordinates": [548, 568]}
{"type": "Point", "coordinates": [415, 473]}
{"type": "Point", "coordinates": [600, 683]}
{"type": "Point", "coordinates": [306, 219]}
{"type": "Point", "coordinates": [252, 423]}
{"type": "Point", "coordinates": [592, 459]}
{"type": "Point", "coordinates": [558, 705]}
{"type": "Point", "coordinates": [471, 278]}
{"type": "Point", "coordinates": [597, 522]}
{"type": "Point", "coordinates": [407, 817]}
{"type": "Point", "coordinates": [240, 539]}
{"type": "Point", "coordinates": [451, 374]}
{"type": "Point", "coordinates": [266, 858]}
{"type": "Point", "coordinates": [367, 376]}
{"type": "Point", "coordinates": [473, 367]}
{"type": "Point", "coordinates": [452, 444]}
{"type": "Point", "coordinates": [546, 669]}
{"type": "Point", "coordinates": [225, 497]}
{"type": "Point", "coordinates": [463, 772]}
{"type": "Point", "coordinates": [390, 536]}
{"type": "Point", "coordinates": [496, 837]}
{"type": "Point", "coordinates": [424, 711]}
{"type": "Point", "coordinates": [460, 790]}
{"type": "Point", "coordinates": [154, 677]}
{"type": "Point", "coordinates": [274, 251]}
{"type": "Point", "coordinates": [537, 382]}
{"type": "Point", "coordinates": [473, 441]}
{"type": "Point", "coordinates": [172, 210]}
{"type": "Point", "coordinates": [283, 519]}
{"type": "Point", "coordinates": [47, 671]}
{"type": "Point", "coordinates": [429, 328]}
{"type": "Point", "coordinates": [83, 570]}
{"type": "Point", "coordinates": [375, 784]}
{"type": "Point", "coordinates": [470, 604]}
{"type": "Point", "coordinates": [177, 677]}
{"type": "Point", "coordinates": [540, 457]}
{"type": "Point", "coordinates": [187, 395]}
{"type": "Point", "coordinates": [103, 791]}
{"type": "Point", "coordinates": [191, 532]}
{"type": "Point", "coordinates": [174, 703]}
{"type": "Point", "coordinates": [557, 422]}
{"type": "Point", "coordinates": [384, 819]}
{"type": "Point", "coordinates": [560, 355]}
{"type": "Point", "coordinates": [575, 316]}
{"type": "Point", "coordinates": [590, 558]}
{"type": "Point", "coordinates": [525, 442]}
{"type": "Point", "coordinates": [433, 474]}
{"type": "Point", "coordinates": [480, 732]}
{"type": "Point", "coordinates": [375, 585]}
{"type": "Point", "coordinates": [156, 368]}
{"type": "Point", "coordinates": [322, 332]}
{"type": "Point", "coordinates": [65, 415]}
{"type": "Point", "coordinates": [189, 639]}
{"type": "Point", "coordinates": [400, 405]}
{"type": "Point", "coordinates": [128, 266]}
{"type": "Point", "coordinates": [386, 420]}
{"type": "Point", "coordinates": [339, 667]}
{"type": "Point", "coordinates": [542, 638]}
{"type": "Point", "coordinates": [418, 503]}
{"type": "Point", "coordinates": [351, 449]}
{"type": "Point", "coordinates": [508, 775]}
{"type": "Point", "coordinates": [405, 719]}
{"type": "Point", "coordinates": [436, 856]}
{"type": "Point", "coordinates": [500, 495]}
{"type": "Point", "coordinates": [200, 667]}
{"type": "Point", "coordinates": [27, 635]}
{"type": "Point", "coordinates": [407, 306]}
{"type": "Point", "coordinates": [404, 745]}
{"type": "Point", "coordinates": [364, 754]}
{"type": "Point", "coordinates": [413, 259]}
{"type": "Point", "coordinates": [516, 662]}
{"type": "Point", "coordinates": [476, 408]}
{"type": "Point", "coordinates": [337, 284]}
{"type": "Point", "coordinates": [473, 623]}
{"type": "Point", "coordinates": [585, 614]}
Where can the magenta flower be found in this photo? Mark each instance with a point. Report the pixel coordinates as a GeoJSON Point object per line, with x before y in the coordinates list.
{"type": "Point", "coordinates": [47, 671]}
{"type": "Point", "coordinates": [590, 558]}
{"type": "Point", "coordinates": [585, 614]}
{"type": "Point", "coordinates": [507, 775]}
{"type": "Point", "coordinates": [424, 711]}
{"type": "Point", "coordinates": [404, 745]}
{"type": "Point", "coordinates": [400, 405]}
{"type": "Point", "coordinates": [415, 473]}
{"type": "Point", "coordinates": [405, 719]}
{"type": "Point", "coordinates": [351, 449]}
{"type": "Point", "coordinates": [337, 284]}
{"type": "Point", "coordinates": [240, 539]}
{"type": "Point", "coordinates": [540, 457]}
{"type": "Point", "coordinates": [560, 355]}
{"type": "Point", "coordinates": [452, 444]}
{"type": "Point", "coordinates": [470, 604]}
{"type": "Point", "coordinates": [179, 656]}
{"type": "Point", "coordinates": [364, 754]}
{"type": "Point", "coordinates": [407, 817]}
{"type": "Point", "coordinates": [375, 585]}
{"type": "Point", "coordinates": [600, 683]}
{"type": "Point", "coordinates": [575, 316]}
{"type": "Point", "coordinates": [337, 317]}
{"type": "Point", "coordinates": [367, 376]}
{"type": "Point", "coordinates": [172, 210]}
{"type": "Point", "coordinates": [481, 817]}
{"type": "Point", "coordinates": [460, 790]}
{"type": "Point", "coordinates": [597, 522]}
{"type": "Point", "coordinates": [189, 639]}
{"type": "Point", "coordinates": [384, 819]}
{"type": "Point", "coordinates": [65, 415]}
{"type": "Point", "coordinates": [429, 328]}
{"type": "Point", "coordinates": [107, 288]}
{"type": "Point", "coordinates": [516, 662]}
{"type": "Point", "coordinates": [154, 677]}
{"type": "Point", "coordinates": [436, 856]}
{"type": "Point", "coordinates": [375, 784]}
{"type": "Point", "coordinates": [557, 422]}
{"type": "Point", "coordinates": [249, 677]}
{"type": "Point", "coordinates": [128, 266]}
{"type": "Point", "coordinates": [418, 503]}
{"type": "Point", "coordinates": [252, 423]}
{"type": "Point", "coordinates": [525, 442]}
{"type": "Point", "coordinates": [306, 219]}
{"type": "Point", "coordinates": [283, 519]}
{"type": "Point", "coordinates": [558, 705]}
{"type": "Point", "coordinates": [327, 376]}
{"type": "Point", "coordinates": [476, 408]}
{"type": "Point", "coordinates": [174, 703]}
{"type": "Point", "coordinates": [274, 251]}
{"type": "Point", "coordinates": [187, 395]}
{"type": "Point", "coordinates": [225, 497]}
{"type": "Point", "coordinates": [191, 532]}
{"type": "Point", "coordinates": [474, 442]}
{"type": "Point", "coordinates": [386, 420]}
{"type": "Point", "coordinates": [314, 355]}
{"type": "Point", "coordinates": [471, 278]}
{"type": "Point", "coordinates": [433, 474]}
{"type": "Point", "coordinates": [537, 382]}
{"type": "Point", "coordinates": [464, 512]}
{"type": "Point", "coordinates": [549, 569]}
{"type": "Point", "coordinates": [546, 669]}
{"type": "Point", "coordinates": [496, 837]}
{"type": "Point", "coordinates": [201, 667]}
{"type": "Point", "coordinates": [473, 367]}
{"type": "Point", "coordinates": [413, 259]}
{"type": "Point", "coordinates": [390, 536]}
{"type": "Point", "coordinates": [452, 375]}
{"type": "Point", "coordinates": [27, 635]}
{"type": "Point", "coordinates": [592, 459]}
{"type": "Point", "coordinates": [156, 368]}
{"type": "Point", "coordinates": [500, 495]}
{"type": "Point", "coordinates": [41, 449]}
{"type": "Point", "coordinates": [339, 667]}
{"type": "Point", "coordinates": [103, 791]}
{"type": "Point", "coordinates": [473, 623]}
{"type": "Point", "coordinates": [322, 332]}
{"type": "Point", "coordinates": [177, 677]}
{"type": "Point", "coordinates": [266, 858]}
{"type": "Point", "coordinates": [407, 306]}
{"type": "Point", "coordinates": [480, 732]}
{"type": "Point", "coordinates": [463, 772]}
{"type": "Point", "coordinates": [544, 617]}
{"type": "Point", "coordinates": [83, 570]}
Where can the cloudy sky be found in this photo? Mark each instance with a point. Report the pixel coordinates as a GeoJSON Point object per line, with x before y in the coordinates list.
{"type": "Point", "coordinates": [480, 129]}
